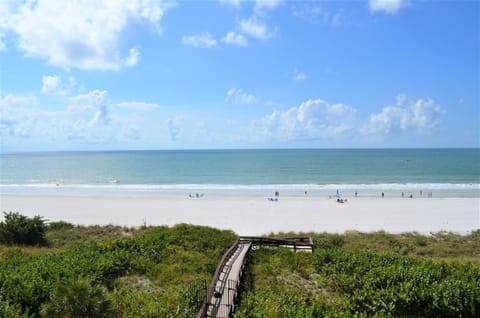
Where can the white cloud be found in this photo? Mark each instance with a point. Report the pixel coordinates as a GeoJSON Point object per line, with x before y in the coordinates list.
{"type": "Point", "coordinates": [132, 58]}
{"type": "Point", "coordinates": [421, 115]}
{"type": "Point", "coordinates": [267, 4]}
{"type": "Point", "coordinates": [312, 119]}
{"type": "Point", "coordinates": [387, 6]}
{"type": "Point", "coordinates": [237, 96]}
{"type": "Point", "coordinates": [52, 84]}
{"type": "Point", "coordinates": [235, 39]}
{"type": "Point", "coordinates": [173, 129]}
{"type": "Point", "coordinates": [88, 118]}
{"type": "Point", "coordinates": [259, 4]}
{"type": "Point", "coordinates": [3, 47]}
{"type": "Point", "coordinates": [299, 76]}
{"type": "Point", "coordinates": [235, 3]}
{"type": "Point", "coordinates": [16, 118]}
{"type": "Point", "coordinates": [318, 15]}
{"type": "Point", "coordinates": [200, 40]}
{"type": "Point", "coordinates": [82, 34]}
{"type": "Point", "coordinates": [137, 105]}
{"type": "Point", "coordinates": [97, 101]}
{"type": "Point", "coordinates": [339, 109]}
{"type": "Point", "coordinates": [255, 28]}
{"type": "Point", "coordinates": [91, 118]}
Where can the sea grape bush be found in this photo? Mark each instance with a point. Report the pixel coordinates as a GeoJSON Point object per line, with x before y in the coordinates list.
{"type": "Point", "coordinates": [396, 285]}
{"type": "Point", "coordinates": [17, 229]}
{"type": "Point", "coordinates": [115, 272]}
{"type": "Point", "coordinates": [35, 284]}
{"type": "Point", "coordinates": [78, 298]}
{"type": "Point", "coordinates": [335, 282]}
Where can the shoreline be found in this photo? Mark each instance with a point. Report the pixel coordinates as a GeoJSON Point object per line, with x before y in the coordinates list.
{"type": "Point", "coordinates": [255, 215]}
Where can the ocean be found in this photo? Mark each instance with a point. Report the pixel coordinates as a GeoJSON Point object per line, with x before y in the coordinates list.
{"type": "Point", "coordinates": [292, 172]}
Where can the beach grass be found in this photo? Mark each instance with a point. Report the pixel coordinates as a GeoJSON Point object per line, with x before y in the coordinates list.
{"type": "Point", "coordinates": [445, 246]}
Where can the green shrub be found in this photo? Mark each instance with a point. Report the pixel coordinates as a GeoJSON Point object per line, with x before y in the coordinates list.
{"type": "Point", "coordinates": [18, 229]}
{"type": "Point", "coordinates": [78, 299]}
{"type": "Point", "coordinates": [161, 256]}
{"type": "Point", "coordinates": [10, 311]}
{"type": "Point", "coordinates": [336, 282]}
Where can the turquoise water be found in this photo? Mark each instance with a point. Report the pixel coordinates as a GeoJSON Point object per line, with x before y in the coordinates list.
{"type": "Point", "coordinates": [444, 172]}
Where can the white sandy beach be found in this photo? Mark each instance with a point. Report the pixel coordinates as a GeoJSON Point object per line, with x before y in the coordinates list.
{"type": "Point", "coordinates": [257, 216]}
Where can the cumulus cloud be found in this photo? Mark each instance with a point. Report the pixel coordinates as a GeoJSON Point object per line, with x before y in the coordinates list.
{"type": "Point", "coordinates": [421, 115]}
{"type": "Point", "coordinates": [132, 58]}
{"type": "Point", "coordinates": [16, 116]}
{"type": "Point", "coordinates": [318, 15]}
{"type": "Point", "coordinates": [255, 28]}
{"type": "Point", "coordinates": [387, 6]}
{"type": "Point", "coordinates": [52, 84]}
{"type": "Point", "coordinates": [312, 119]}
{"type": "Point", "coordinates": [93, 118]}
{"type": "Point", "coordinates": [267, 4]}
{"type": "Point", "coordinates": [95, 100]}
{"type": "Point", "coordinates": [89, 118]}
{"type": "Point", "coordinates": [204, 40]}
{"type": "Point", "coordinates": [237, 96]}
{"type": "Point", "coordinates": [82, 34]}
{"type": "Point", "coordinates": [173, 129]}
{"type": "Point", "coordinates": [235, 39]}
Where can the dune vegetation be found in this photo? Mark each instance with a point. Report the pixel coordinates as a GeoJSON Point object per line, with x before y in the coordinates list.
{"type": "Point", "coordinates": [109, 271]}
{"type": "Point", "coordinates": [62, 270]}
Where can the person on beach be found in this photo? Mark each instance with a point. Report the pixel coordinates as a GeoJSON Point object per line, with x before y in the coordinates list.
{"type": "Point", "coordinates": [403, 195]}
{"type": "Point", "coordinates": [356, 194]}
{"type": "Point", "coordinates": [383, 194]}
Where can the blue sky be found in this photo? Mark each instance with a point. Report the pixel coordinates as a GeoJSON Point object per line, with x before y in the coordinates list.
{"type": "Point", "coordinates": [146, 74]}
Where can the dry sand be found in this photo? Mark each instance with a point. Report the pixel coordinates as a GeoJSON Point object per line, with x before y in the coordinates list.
{"type": "Point", "coordinates": [257, 216]}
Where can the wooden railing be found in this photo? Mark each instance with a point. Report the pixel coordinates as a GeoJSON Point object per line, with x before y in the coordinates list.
{"type": "Point", "coordinates": [202, 313]}
{"type": "Point", "coordinates": [302, 243]}
{"type": "Point", "coordinates": [296, 243]}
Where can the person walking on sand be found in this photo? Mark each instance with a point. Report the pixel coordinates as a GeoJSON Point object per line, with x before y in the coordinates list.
{"type": "Point", "coordinates": [383, 194]}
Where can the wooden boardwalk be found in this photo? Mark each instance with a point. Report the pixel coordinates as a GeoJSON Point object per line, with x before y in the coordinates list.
{"type": "Point", "coordinates": [226, 288]}
{"type": "Point", "coordinates": [222, 293]}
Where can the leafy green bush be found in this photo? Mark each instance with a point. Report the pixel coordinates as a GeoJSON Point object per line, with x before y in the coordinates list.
{"type": "Point", "coordinates": [32, 282]}
{"type": "Point", "coordinates": [401, 286]}
{"type": "Point", "coordinates": [335, 282]}
{"type": "Point", "coordinates": [78, 299]}
{"type": "Point", "coordinates": [21, 230]}
{"type": "Point", "coordinates": [11, 311]}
